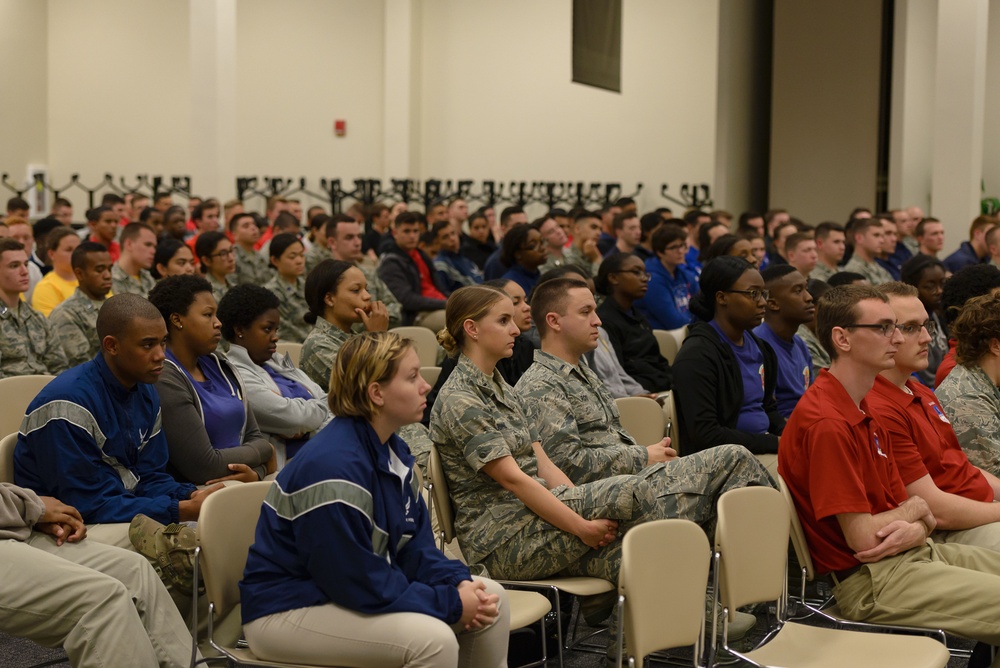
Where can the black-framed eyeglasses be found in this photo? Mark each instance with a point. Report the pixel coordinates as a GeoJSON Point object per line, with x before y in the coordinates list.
{"type": "Point", "coordinates": [755, 294]}
{"type": "Point", "coordinates": [911, 328]}
{"type": "Point", "coordinates": [638, 273]}
{"type": "Point", "coordinates": [224, 253]}
{"type": "Point", "coordinates": [886, 329]}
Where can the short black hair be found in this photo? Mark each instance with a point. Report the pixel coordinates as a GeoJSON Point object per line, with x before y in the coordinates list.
{"type": "Point", "coordinates": [914, 268]}
{"type": "Point", "coordinates": [206, 243]}
{"type": "Point", "coordinates": [166, 249]}
{"type": "Point", "coordinates": [132, 231]}
{"type": "Point", "coordinates": [175, 294]}
{"type": "Point", "coordinates": [94, 215]}
{"type": "Point", "coordinates": [243, 304]}
{"type": "Point", "coordinates": [611, 264]}
{"type": "Point", "coordinates": [717, 276]}
{"type": "Point", "coordinates": [281, 242]}
{"type": "Point", "coordinates": [322, 280]}
{"type": "Point", "coordinates": [551, 296]}
{"type": "Point", "coordinates": [844, 278]}
{"type": "Point", "coordinates": [78, 260]}
{"type": "Point", "coordinates": [776, 272]}
{"type": "Point", "coordinates": [17, 204]}
{"type": "Point", "coordinates": [512, 243]}
{"type": "Point", "coordinates": [118, 312]}
{"type": "Point", "coordinates": [973, 281]}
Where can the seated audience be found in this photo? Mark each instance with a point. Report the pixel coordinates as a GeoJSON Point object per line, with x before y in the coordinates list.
{"type": "Point", "coordinates": [343, 238]}
{"type": "Point", "coordinates": [318, 250]}
{"type": "Point", "coordinates": [289, 285]}
{"type": "Point", "coordinates": [101, 604]}
{"type": "Point", "coordinates": [970, 393]}
{"type": "Point", "coordinates": [807, 331]}
{"type": "Point", "coordinates": [847, 278]}
{"type": "Point", "coordinates": [930, 237]}
{"type": "Point", "coordinates": [27, 343]}
{"type": "Point", "coordinates": [251, 267]}
{"type": "Point", "coordinates": [130, 273]}
{"type": "Point", "coordinates": [174, 223]}
{"type": "Point", "coordinates": [729, 374]}
{"type": "Point", "coordinates": [894, 251]}
{"type": "Point", "coordinates": [152, 219]}
{"type": "Point", "coordinates": [103, 225]}
{"type": "Point", "coordinates": [59, 284]}
{"type": "Point", "coordinates": [74, 322]}
{"type": "Point", "coordinates": [523, 251]}
{"type": "Point", "coordinates": [20, 230]}
{"type": "Point", "coordinates": [868, 237]}
{"type": "Point", "coordinates": [758, 249]}
{"type": "Point", "coordinates": [628, 235]}
{"type": "Point", "coordinates": [973, 281]}
{"type": "Point", "coordinates": [623, 280]}
{"type": "Point", "coordinates": [727, 244]}
{"type": "Point", "coordinates": [555, 240]}
{"type": "Point", "coordinates": [409, 274]}
{"type": "Point", "coordinates": [172, 258]}
{"type": "Point", "coordinates": [693, 221]}
{"type": "Point", "coordinates": [510, 217]}
{"type": "Point", "coordinates": [453, 269]}
{"type": "Point", "coordinates": [93, 435]}
{"type": "Point", "coordinates": [860, 524]}
{"type": "Point", "coordinates": [782, 231]}
{"type": "Point", "coordinates": [217, 260]}
{"type": "Point", "coordinates": [830, 249]}
{"type": "Point", "coordinates": [478, 245]}
{"type": "Point", "coordinates": [800, 249]}
{"type": "Point", "coordinates": [212, 433]}
{"type": "Point", "coordinates": [288, 405]}
{"type": "Point", "coordinates": [672, 283]}
{"type": "Point", "coordinates": [583, 251]}
{"type": "Point", "coordinates": [338, 299]}
{"type": "Point", "coordinates": [925, 449]}
{"type": "Point", "coordinates": [789, 306]}
{"type": "Point", "coordinates": [344, 536]}
{"type": "Point", "coordinates": [927, 275]}
{"type": "Point", "coordinates": [975, 250]}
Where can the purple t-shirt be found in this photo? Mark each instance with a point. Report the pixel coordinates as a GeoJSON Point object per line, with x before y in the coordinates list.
{"type": "Point", "coordinates": [752, 418]}
{"type": "Point", "coordinates": [221, 404]}
{"type": "Point", "coordinates": [290, 389]}
{"type": "Point", "coordinates": [795, 369]}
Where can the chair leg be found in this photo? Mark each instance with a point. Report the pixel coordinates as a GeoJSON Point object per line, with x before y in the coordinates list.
{"type": "Point", "coordinates": [194, 608]}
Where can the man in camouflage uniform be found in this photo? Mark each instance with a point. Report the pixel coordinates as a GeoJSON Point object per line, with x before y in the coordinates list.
{"type": "Point", "coordinates": [584, 253]}
{"type": "Point", "coordinates": [27, 343]}
{"type": "Point", "coordinates": [343, 238]}
{"type": "Point", "coordinates": [251, 267]}
{"type": "Point", "coordinates": [318, 251]}
{"type": "Point", "coordinates": [972, 402]}
{"type": "Point", "coordinates": [74, 322]}
{"type": "Point", "coordinates": [868, 240]}
{"type": "Point", "coordinates": [579, 426]}
{"type": "Point", "coordinates": [130, 274]}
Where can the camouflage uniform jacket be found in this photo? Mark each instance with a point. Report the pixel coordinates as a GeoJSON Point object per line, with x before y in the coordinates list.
{"type": "Point", "coordinates": [315, 255]}
{"type": "Point", "coordinates": [972, 403]}
{"type": "Point", "coordinates": [380, 293]}
{"type": "Point", "coordinates": [578, 421]}
{"type": "Point", "coordinates": [74, 324]}
{"type": "Point", "coordinates": [820, 358]}
{"type": "Point", "coordinates": [219, 289]}
{"type": "Point", "coordinates": [478, 419]}
{"type": "Point", "coordinates": [27, 343]}
{"type": "Point", "coordinates": [251, 268]}
{"type": "Point", "coordinates": [876, 275]}
{"type": "Point", "coordinates": [822, 272]}
{"type": "Point", "coordinates": [572, 255]}
{"type": "Point", "coordinates": [292, 307]}
{"type": "Point", "coordinates": [319, 351]}
{"type": "Point", "coordinates": [122, 283]}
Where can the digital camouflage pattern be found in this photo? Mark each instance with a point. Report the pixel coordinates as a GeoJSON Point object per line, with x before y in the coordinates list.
{"type": "Point", "coordinates": [820, 358]}
{"type": "Point", "coordinates": [319, 351]}
{"type": "Point", "coordinates": [27, 343]}
{"type": "Point", "coordinates": [251, 268]}
{"type": "Point", "coordinates": [315, 255]}
{"type": "Point", "coordinates": [122, 283]}
{"type": "Point", "coordinates": [572, 255]}
{"type": "Point", "coordinates": [972, 403]}
{"type": "Point", "coordinates": [74, 324]}
{"type": "Point", "coordinates": [219, 289]}
{"type": "Point", "coordinates": [875, 273]}
{"type": "Point", "coordinates": [380, 292]}
{"type": "Point", "coordinates": [293, 308]}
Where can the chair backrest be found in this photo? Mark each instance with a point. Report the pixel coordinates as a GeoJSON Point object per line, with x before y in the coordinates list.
{"type": "Point", "coordinates": [797, 534]}
{"type": "Point", "coordinates": [424, 340]}
{"type": "Point", "coordinates": [293, 349]}
{"type": "Point", "coordinates": [226, 528]}
{"type": "Point", "coordinates": [431, 374]}
{"type": "Point", "coordinates": [16, 392]}
{"type": "Point", "coordinates": [752, 538]}
{"type": "Point", "coordinates": [663, 611]}
{"type": "Point", "coordinates": [7, 444]}
{"type": "Point", "coordinates": [439, 489]}
{"type": "Point", "coordinates": [673, 428]}
{"type": "Point", "coordinates": [668, 344]}
{"type": "Point", "coordinates": [643, 418]}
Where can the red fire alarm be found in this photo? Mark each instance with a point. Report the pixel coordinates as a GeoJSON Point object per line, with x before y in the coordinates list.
{"type": "Point", "coordinates": [340, 128]}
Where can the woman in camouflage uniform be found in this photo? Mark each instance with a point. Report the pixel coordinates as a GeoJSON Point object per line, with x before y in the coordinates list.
{"type": "Point", "coordinates": [288, 257]}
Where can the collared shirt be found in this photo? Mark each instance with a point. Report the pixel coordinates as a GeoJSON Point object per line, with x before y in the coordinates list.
{"type": "Point", "coordinates": [27, 344]}
{"type": "Point", "coordinates": [972, 403]}
{"type": "Point", "coordinates": [251, 268]}
{"type": "Point", "coordinates": [822, 272]}
{"type": "Point", "coordinates": [478, 419]}
{"type": "Point", "coordinates": [836, 458]}
{"type": "Point", "coordinates": [122, 283]}
{"type": "Point", "coordinates": [74, 324]}
{"type": "Point", "coordinates": [292, 307]}
{"type": "Point", "coordinates": [319, 351]}
{"type": "Point", "coordinates": [923, 441]}
{"type": "Point", "coordinates": [875, 274]}
{"type": "Point", "coordinates": [578, 421]}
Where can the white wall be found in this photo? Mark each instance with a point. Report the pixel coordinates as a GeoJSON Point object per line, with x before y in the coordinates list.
{"type": "Point", "coordinates": [991, 144]}
{"type": "Point", "coordinates": [23, 138]}
{"type": "Point", "coordinates": [498, 101]}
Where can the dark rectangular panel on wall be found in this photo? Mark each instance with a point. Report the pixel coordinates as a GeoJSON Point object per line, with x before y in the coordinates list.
{"type": "Point", "coordinates": [597, 43]}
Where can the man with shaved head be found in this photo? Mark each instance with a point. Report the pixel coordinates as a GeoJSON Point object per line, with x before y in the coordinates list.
{"type": "Point", "coordinates": [92, 437]}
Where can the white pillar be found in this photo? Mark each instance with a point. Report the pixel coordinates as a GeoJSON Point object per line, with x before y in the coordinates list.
{"type": "Point", "coordinates": [213, 97]}
{"type": "Point", "coordinates": [959, 108]}
{"type": "Point", "coordinates": [401, 81]}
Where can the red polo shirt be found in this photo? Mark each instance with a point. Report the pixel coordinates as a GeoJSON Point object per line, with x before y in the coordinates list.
{"type": "Point", "coordinates": [947, 364]}
{"type": "Point", "coordinates": [836, 459]}
{"type": "Point", "coordinates": [114, 249]}
{"type": "Point", "coordinates": [923, 440]}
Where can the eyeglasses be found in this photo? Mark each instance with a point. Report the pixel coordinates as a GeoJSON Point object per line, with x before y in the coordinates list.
{"type": "Point", "coordinates": [225, 253]}
{"type": "Point", "coordinates": [910, 328]}
{"type": "Point", "coordinates": [887, 329]}
{"type": "Point", "coordinates": [639, 273]}
{"type": "Point", "coordinates": [755, 295]}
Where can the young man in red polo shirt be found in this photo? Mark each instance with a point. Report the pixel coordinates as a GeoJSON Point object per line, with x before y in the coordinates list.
{"type": "Point", "coordinates": [861, 526]}
{"type": "Point", "coordinates": [103, 224]}
{"type": "Point", "coordinates": [924, 446]}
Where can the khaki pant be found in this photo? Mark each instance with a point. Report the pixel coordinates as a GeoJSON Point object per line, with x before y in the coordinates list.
{"type": "Point", "coordinates": [947, 586]}
{"type": "Point", "coordinates": [987, 536]}
{"type": "Point", "coordinates": [329, 634]}
{"type": "Point", "coordinates": [103, 605]}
